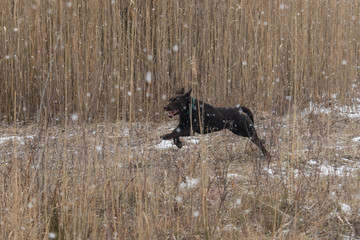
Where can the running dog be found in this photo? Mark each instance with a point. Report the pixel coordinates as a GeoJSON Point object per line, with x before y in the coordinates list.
{"type": "Point", "coordinates": [200, 117]}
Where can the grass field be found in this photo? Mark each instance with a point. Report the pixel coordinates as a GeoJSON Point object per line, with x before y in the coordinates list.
{"type": "Point", "coordinates": [103, 181]}
{"type": "Point", "coordinates": [82, 89]}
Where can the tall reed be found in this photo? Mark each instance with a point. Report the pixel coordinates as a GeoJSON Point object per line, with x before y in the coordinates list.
{"type": "Point", "coordinates": [116, 57]}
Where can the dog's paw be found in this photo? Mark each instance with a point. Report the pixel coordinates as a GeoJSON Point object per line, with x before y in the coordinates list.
{"type": "Point", "coordinates": [178, 143]}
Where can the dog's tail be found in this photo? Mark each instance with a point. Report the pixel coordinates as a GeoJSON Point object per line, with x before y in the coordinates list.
{"type": "Point", "coordinates": [246, 111]}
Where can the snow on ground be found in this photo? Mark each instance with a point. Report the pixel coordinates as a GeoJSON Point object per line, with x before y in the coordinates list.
{"type": "Point", "coordinates": [348, 111]}
{"type": "Point", "coordinates": [190, 183]}
{"type": "Point", "coordinates": [341, 171]}
{"type": "Point", "coordinates": [345, 208]}
{"type": "Point", "coordinates": [323, 168]}
{"type": "Point", "coordinates": [234, 175]}
{"type": "Point", "coordinates": [165, 144]}
{"type": "Point", "coordinates": [20, 139]}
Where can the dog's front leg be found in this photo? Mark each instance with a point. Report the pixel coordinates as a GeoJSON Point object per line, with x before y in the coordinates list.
{"type": "Point", "coordinates": [175, 134]}
{"type": "Point", "coordinates": [177, 142]}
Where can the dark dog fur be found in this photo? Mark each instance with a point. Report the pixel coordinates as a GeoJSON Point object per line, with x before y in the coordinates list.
{"type": "Point", "coordinates": [197, 116]}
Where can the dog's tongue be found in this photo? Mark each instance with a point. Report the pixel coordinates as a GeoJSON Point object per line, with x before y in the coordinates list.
{"type": "Point", "coordinates": [171, 114]}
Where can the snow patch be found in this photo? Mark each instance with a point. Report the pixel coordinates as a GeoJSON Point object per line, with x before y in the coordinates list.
{"type": "Point", "coordinates": [165, 144]}
{"type": "Point", "coordinates": [190, 183]}
{"type": "Point", "coordinates": [233, 175]}
{"type": "Point", "coordinates": [342, 171]}
{"type": "Point", "coordinates": [312, 162]}
{"type": "Point", "coordinates": [179, 199]}
{"type": "Point", "coordinates": [322, 169]}
{"type": "Point", "coordinates": [193, 140]}
{"type": "Point", "coordinates": [349, 111]}
{"type": "Point", "coordinates": [21, 139]}
{"type": "Point", "coordinates": [238, 201]}
{"type": "Point", "coordinates": [345, 208]}
{"type": "Point", "coordinates": [269, 171]}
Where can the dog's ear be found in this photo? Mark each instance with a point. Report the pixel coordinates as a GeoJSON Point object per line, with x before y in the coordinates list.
{"type": "Point", "coordinates": [181, 91]}
{"type": "Point", "coordinates": [188, 92]}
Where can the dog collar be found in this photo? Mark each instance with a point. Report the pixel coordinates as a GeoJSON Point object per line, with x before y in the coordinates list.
{"type": "Point", "coordinates": [192, 106]}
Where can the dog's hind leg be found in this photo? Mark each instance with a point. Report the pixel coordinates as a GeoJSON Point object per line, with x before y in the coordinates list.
{"type": "Point", "coordinates": [245, 128]}
{"type": "Point", "coordinates": [261, 144]}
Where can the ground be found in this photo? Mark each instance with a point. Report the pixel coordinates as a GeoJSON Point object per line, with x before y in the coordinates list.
{"type": "Point", "coordinates": [120, 180]}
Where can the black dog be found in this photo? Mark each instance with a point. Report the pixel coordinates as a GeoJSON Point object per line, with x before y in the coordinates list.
{"type": "Point", "coordinates": [197, 116]}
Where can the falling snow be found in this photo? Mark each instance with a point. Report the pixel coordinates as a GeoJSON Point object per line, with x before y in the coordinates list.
{"type": "Point", "coordinates": [74, 117]}
{"type": "Point", "coordinates": [178, 199]}
{"type": "Point", "coordinates": [98, 148]}
{"type": "Point", "coordinates": [148, 77]}
{"type": "Point", "coordinates": [196, 213]}
{"type": "Point", "coordinates": [52, 235]}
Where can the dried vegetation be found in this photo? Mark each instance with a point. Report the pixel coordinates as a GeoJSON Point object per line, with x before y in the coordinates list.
{"type": "Point", "coordinates": [82, 89]}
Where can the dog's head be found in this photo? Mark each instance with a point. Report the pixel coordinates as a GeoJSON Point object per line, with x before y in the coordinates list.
{"type": "Point", "coordinates": [179, 103]}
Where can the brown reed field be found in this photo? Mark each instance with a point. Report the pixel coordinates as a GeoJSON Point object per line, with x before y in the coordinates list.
{"type": "Point", "coordinates": [82, 89]}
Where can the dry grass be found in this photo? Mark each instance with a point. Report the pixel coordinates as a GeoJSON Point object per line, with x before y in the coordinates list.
{"type": "Point", "coordinates": [107, 181]}
{"type": "Point", "coordinates": [85, 81]}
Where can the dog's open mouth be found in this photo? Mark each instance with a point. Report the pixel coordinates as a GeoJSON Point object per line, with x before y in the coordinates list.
{"type": "Point", "coordinates": [172, 113]}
